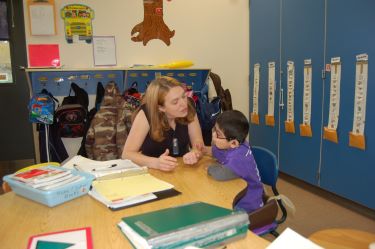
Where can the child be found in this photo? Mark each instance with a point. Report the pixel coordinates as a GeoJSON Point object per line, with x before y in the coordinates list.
{"type": "Point", "coordinates": [235, 157]}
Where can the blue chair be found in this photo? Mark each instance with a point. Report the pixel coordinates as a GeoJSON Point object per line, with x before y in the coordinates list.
{"type": "Point", "coordinates": [264, 220]}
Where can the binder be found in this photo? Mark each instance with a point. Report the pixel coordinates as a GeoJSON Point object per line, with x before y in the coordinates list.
{"type": "Point", "coordinates": [131, 190]}
{"type": "Point", "coordinates": [195, 224]}
{"type": "Point", "coordinates": [139, 200]}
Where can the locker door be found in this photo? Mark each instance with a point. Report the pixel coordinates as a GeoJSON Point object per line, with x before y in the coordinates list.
{"type": "Point", "coordinates": [302, 37]}
{"type": "Point", "coordinates": [264, 48]}
{"type": "Point", "coordinates": [348, 171]}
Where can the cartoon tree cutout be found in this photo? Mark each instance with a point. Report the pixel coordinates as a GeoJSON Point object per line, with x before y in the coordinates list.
{"type": "Point", "coordinates": [153, 26]}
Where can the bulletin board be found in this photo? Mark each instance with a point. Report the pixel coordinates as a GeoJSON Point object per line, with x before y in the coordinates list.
{"type": "Point", "coordinates": [42, 19]}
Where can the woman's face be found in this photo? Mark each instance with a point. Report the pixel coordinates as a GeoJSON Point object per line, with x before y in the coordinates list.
{"type": "Point", "coordinates": [175, 103]}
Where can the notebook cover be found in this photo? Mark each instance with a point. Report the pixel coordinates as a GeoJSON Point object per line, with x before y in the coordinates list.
{"type": "Point", "coordinates": [177, 217]}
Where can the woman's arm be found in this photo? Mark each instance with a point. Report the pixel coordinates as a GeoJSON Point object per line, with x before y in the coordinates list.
{"type": "Point", "coordinates": [136, 137]}
{"type": "Point", "coordinates": [196, 140]}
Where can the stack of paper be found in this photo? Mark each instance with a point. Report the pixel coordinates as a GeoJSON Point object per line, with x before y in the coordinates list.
{"type": "Point", "coordinates": [194, 224]}
{"type": "Point", "coordinates": [116, 168]}
{"type": "Point", "coordinates": [125, 191]}
{"type": "Point", "coordinates": [292, 240]}
{"type": "Point", "coordinates": [46, 178]}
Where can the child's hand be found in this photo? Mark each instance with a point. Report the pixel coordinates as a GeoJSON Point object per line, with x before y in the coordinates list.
{"type": "Point", "coordinates": [191, 157]}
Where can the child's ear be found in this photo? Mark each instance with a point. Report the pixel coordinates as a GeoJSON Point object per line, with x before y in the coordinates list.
{"type": "Point", "coordinates": [234, 143]}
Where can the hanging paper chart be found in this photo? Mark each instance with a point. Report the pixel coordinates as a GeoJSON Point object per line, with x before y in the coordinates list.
{"type": "Point", "coordinates": [254, 115]}
{"type": "Point", "coordinates": [289, 123]}
{"type": "Point", "coordinates": [270, 117]}
{"type": "Point", "coordinates": [305, 127]}
{"type": "Point", "coordinates": [356, 136]}
{"type": "Point", "coordinates": [330, 131]}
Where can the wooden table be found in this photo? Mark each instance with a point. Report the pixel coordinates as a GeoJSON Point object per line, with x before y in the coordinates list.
{"type": "Point", "coordinates": [343, 239]}
{"type": "Point", "coordinates": [22, 218]}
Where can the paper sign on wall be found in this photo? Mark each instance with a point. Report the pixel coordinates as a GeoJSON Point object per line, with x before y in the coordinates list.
{"type": "Point", "coordinates": [330, 131]}
{"type": "Point", "coordinates": [77, 22]}
{"type": "Point", "coordinates": [305, 127]}
{"type": "Point", "coordinates": [255, 115]}
{"type": "Point", "coordinates": [42, 17]}
{"type": "Point", "coordinates": [270, 117]}
{"type": "Point", "coordinates": [289, 122]}
{"type": "Point", "coordinates": [104, 51]}
{"type": "Point", "coordinates": [356, 136]}
{"type": "Point", "coordinates": [44, 55]}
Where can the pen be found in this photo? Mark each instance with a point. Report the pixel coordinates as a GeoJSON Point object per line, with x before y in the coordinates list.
{"type": "Point", "coordinates": [104, 168]}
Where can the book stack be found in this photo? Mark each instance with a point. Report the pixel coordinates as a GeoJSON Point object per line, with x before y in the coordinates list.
{"type": "Point", "coordinates": [50, 185]}
{"type": "Point", "coordinates": [195, 224]}
{"type": "Point", "coordinates": [47, 178]}
{"type": "Point", "coordinates": [121, 183]}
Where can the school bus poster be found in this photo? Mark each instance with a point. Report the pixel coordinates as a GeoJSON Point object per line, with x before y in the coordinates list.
{"type": "Point", "coordinates": [77, 22]}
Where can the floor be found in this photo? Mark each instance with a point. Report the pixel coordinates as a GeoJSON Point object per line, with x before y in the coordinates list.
{"type": "Point", "coordinates": [317, 209]}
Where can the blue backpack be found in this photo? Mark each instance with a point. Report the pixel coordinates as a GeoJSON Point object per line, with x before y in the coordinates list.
{"type": "Point", "coordinates": [42, 108]}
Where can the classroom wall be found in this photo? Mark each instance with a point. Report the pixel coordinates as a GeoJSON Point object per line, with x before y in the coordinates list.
{"type": "Point", "coordinates": [213, 34]}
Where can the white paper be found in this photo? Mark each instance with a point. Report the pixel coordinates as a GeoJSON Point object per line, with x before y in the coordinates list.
{"type": "Point", "coordinates": [256, 88]}
{"type": "Point", "coordinates": [334, 101]}
{"type": "Point", "coordinates": [42, 19]}
{"type": "Point", "coordinates": [307, 92]}
{"type": "Point", "coordinates": [123, 203]}
{"type": "Point", "coordinates": [104, 50]}
{"type": "Point", "coordinates": [361, 76]}
{"type": "Point", "coordinates": [290, 96]}
{"type": "Point", "coordinates": [103, 168]}
{"type": "Point", "coordinates": [292, 240]}
{"type": "Point", "coordinates": [271, 89]}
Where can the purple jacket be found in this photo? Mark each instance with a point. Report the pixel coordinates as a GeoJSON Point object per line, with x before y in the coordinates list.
{"type": "Point", "coordinates": [241, 161]}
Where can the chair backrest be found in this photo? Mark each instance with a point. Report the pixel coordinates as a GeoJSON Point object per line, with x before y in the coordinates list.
{"type": "Point", "coordinates": [267, 165]}
{"type": "Point", "coordinates": [269, 172]}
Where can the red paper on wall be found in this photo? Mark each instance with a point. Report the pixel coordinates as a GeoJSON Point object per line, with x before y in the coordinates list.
{"type": "Point", "coordinates": [44, 55]}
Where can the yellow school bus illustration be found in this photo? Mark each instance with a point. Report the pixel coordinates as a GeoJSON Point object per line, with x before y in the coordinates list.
{"type": "Point", "coordinates": [77, 21]}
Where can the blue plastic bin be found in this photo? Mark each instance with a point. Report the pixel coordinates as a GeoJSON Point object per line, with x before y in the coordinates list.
{"type": "Point", "coordinates": [56, 196]}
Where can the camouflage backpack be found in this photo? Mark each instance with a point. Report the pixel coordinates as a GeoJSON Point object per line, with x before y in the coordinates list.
{"type": "Point", "coordinates": [108, 131]}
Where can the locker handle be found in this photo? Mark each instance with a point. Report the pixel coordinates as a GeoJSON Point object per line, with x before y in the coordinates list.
{"type": "Point", "coordinates": [281, 103]}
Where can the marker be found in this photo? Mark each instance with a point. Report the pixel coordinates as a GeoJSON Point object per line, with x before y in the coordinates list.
{"type": "Point", "coordinates": [105, 168]}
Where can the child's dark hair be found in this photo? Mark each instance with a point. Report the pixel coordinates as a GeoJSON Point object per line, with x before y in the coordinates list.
{"type": "Point", "coordinates": [234, 125]}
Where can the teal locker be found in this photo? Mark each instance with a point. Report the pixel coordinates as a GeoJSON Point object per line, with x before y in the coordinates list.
{"type": "Point", "coordinates": [302, 37]}
{"type": "Point", "coordinates": [264, 48]}
{"type": "Point", "coordinates": [296, 30]}
{"type": "Point", "coordinates": [348, 171]}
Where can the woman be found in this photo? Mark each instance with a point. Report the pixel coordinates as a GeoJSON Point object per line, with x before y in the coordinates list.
{"type": "Point", "coordinates": [165, 126]}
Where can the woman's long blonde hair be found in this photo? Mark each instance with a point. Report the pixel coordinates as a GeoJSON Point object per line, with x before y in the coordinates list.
{"type": "Point", "coordinates": [154, 98]}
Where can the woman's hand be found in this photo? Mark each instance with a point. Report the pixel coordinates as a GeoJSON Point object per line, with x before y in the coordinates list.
{"type": "Point", "coordinates": [165, 162]}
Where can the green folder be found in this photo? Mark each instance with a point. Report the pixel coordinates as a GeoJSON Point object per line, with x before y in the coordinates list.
{"type": "Point", "coordinates": [184, 225]}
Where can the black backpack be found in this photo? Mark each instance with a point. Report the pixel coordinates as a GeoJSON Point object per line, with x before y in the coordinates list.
{"type": "Point", "coordinates": [71, 116]}
{"type": "Point", "coordinates": [207, 112]}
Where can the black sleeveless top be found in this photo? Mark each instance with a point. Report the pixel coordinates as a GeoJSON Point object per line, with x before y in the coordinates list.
{"type": "Point", "coordinates": [153, 148]}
